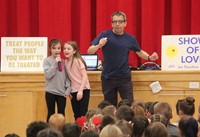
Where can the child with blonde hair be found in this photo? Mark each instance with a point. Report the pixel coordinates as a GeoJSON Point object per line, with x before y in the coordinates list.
{"type": "Point", "coordinates": [80, 87]}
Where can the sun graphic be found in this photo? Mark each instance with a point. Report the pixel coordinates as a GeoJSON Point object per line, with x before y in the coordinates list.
{"type": "Point", "coordinates": [172, 51]}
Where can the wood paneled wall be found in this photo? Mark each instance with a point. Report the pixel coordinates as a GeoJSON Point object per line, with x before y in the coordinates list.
{"type": "Point", "coordinates": [22, 94]}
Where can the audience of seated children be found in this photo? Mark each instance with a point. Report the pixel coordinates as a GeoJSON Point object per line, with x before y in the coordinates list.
{"type": "Point", "coordinates": [126, 121]}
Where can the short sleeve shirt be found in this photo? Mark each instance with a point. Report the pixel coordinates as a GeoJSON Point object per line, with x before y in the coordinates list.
{"type": "Point", "coordinates": [116, 53]}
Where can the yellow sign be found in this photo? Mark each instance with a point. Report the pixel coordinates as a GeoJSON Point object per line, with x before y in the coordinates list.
{"type": "Point", "coordinates": [180, 52]}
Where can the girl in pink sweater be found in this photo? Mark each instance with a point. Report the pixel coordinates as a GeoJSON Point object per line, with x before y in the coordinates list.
{"type": "Point", "coordinates": [80, 87]}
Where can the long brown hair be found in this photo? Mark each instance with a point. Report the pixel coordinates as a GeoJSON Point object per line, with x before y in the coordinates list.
{"type": "Point", "coordinates": [77, 54]}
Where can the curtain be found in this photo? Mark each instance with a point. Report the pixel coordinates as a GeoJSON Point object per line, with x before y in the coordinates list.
{"type": "Point", "coordinates": [83, 20]}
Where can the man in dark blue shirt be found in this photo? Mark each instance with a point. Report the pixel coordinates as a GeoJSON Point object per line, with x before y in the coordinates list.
{"type": "Point", "coordinates": [116, 45]}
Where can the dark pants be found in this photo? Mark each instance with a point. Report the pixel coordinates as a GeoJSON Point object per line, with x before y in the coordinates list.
{"type": "Point", "coordinates": [80, 108]}
{"type": "Point", "coordinates": [51, 100]}
{"type": "Point", "coordinates": [114, 85]}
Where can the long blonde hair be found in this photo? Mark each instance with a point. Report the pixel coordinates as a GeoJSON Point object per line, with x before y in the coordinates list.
{"type": "Point", "coordinates": [77, 54]}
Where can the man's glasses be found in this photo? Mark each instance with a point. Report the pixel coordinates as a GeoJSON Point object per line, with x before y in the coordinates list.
{"type": "Point", "coordinates": [115, 22]}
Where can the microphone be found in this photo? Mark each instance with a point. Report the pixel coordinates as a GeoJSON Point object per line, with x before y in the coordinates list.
{"type": "Point", "coordinates": [59, 63]}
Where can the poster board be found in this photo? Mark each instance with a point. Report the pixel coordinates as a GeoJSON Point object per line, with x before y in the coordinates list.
{"type": "Point", "coordinates": [180, 52]}
{"type": "Point", "coordinates": [23, 54]}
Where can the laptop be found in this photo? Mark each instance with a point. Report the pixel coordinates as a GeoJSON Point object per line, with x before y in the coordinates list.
{"type": "Point", "coordinates": [91, 61]}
